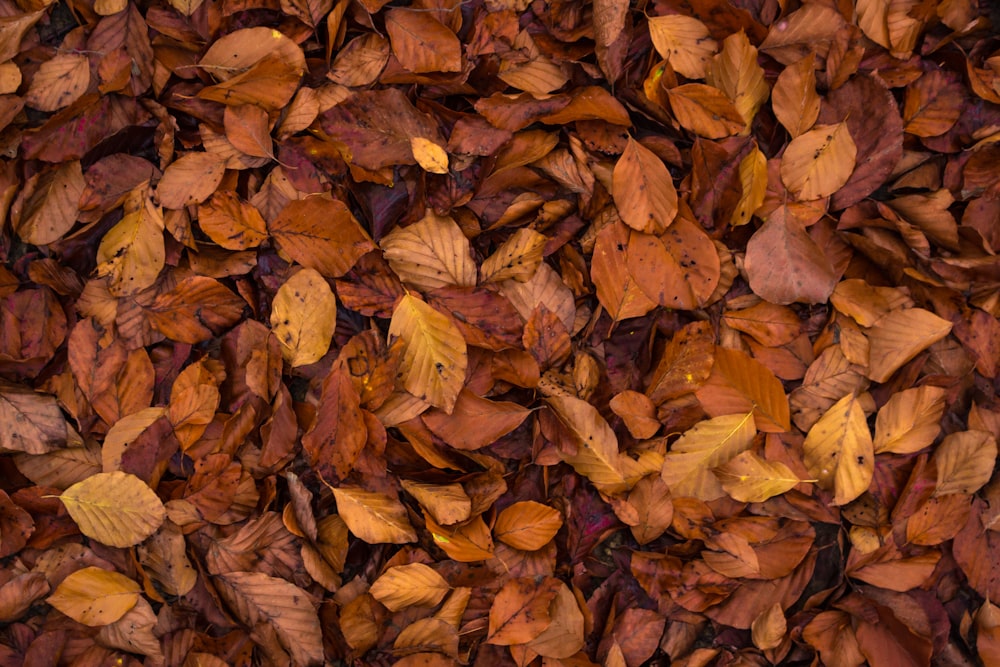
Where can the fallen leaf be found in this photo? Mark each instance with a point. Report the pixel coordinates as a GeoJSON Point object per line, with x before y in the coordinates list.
{"type": "Point", "coordinates": [303, 317]}
{"type": "Point", "coordinates": [114, 508]}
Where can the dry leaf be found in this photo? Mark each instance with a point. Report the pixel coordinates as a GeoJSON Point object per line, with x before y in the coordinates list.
{"type": "Point", "coordinates": [303, 317]}
{"type": "Point", "coordinates": [408, 585]}
{"type": "Point", "coordinates": [373, 517]}
{"type": "Point", "coordinates": [817, 163]}
{"type": "Point", "coordinates": [839, 452]}
{"type": "Point", "coordinates": [527, 525]}
{"type": "Point", "coordinates": [643, 190]}
{"type": "Point", "coordinates": [95, 597]}
{"type": "Point", "coordinates": [115, 508]}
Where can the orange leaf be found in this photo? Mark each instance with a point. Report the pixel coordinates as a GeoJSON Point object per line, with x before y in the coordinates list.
{"type": "Point", "coordinates": [616, 289]}
{"type": "Point", "coordinates": [527, 525]}
{"type": "Point", "coordinates": [520, 611]}
{"type": "Point", "coordinates": [191, 179]}
{"type": "Point", "coordinates": [705, 111]}
{"type": "Point", "coordinates": [421, 42]}
{"type": "Point", "coordinates": [320, 233]}
{"type": "Point", "coordinates": [643, 190]}
{"type": "Point", "coordinates": [475, 422]}
{"type": "Point", "coordinates": [248, 129]}
{"type": "Point", "coordinates": [739, 384]}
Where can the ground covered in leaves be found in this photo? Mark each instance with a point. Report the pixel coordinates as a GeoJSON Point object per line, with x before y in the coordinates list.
{"type": "Point", "coordinates": [528, 332]}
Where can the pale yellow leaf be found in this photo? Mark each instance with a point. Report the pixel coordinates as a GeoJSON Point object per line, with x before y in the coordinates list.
{"type": "Point", "coordinates": [900, 336]}
{"type": "Point", "coordinates": [817, 163]}
{"type": "Point", "coordinates": [429, 155]}
{"type": "Point", "coordinates": [527, 525]}
{"type": "Point", "coordinates": [687, 466]}
{"type": "Point", "coordinates": [597, 457]}
{"type": "Point", "coordinates": [910, 420]}
{"type": "Point", "coordinates": [431, 253]}
{"type": "Point", "coordinates": [965, 462]}
{"type": "Point", "coordinates": [684, 41]}
{"type": "Point", "coordinates": [94, 596]}
{"type": "Point", "coordinates": [373, 517]}
{"type": "Point", "coordinates": [839, 452]}
{"type": "Point", "coordinates": [303, 317]}
{"type": "Point", "coordinates": [747, 478]}
{"type": "Point", "coordinates": [434, 352]}
{"type": "Point", "coordinates": [517, 258]}
{"type": "Point", "coordinates": [115, 508]}
{"type": "Point", "coordinates": [408, 585]}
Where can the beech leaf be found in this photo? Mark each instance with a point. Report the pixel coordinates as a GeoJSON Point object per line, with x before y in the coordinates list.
{"type": "Point", "coordinates": [115, 508]}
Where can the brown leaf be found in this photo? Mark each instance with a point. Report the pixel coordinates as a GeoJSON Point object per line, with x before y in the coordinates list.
{"type": "Point", "coordinates": [643, 190]}
{"type": "Point", "coordinates": [520, 611]}
{"type": "Point", "coordinates": [320, 233]}
{"type": "Point", "coordinates": [785, 265]}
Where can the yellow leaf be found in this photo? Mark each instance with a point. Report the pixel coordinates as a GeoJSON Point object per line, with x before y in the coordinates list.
{"type": "Point", "coordinates": [900, 336]}
{"type": "Point", "coordinates": [431, 253]}
{"type": "Point", "coordinates": [965, 462]}
{"type": "Point", "coordinates": [516, 259]}
{"type": "Point", "coordinates": [735, 72]}
{"type": "Point", "coordinates": [447, 503]}
{"type": "Point", "coordinates": [750, 479]}
{"type": "Point", "coordinates": [466, 542]}
{"type": "Point", "coordinates": [408, 585]}
{"type": "Point", "coordinates": [429, 155]}
{"type": "Point", "coordinates": [684, 41]}
{"type": "Point", "coordinates": [839, 452]}
{"type": "Point", "coordinates": [115, 508]}
{"type": "Point", "coordinates": [597, 457]}
{"type": "Point", "coordinates": [373, 517]}
{"type": "Point", "coordinates": [527, 525]}
{"type": "Point", "coordinates": [910, 420]}
{"type": "Point", "coordinates": [303, 317]}
{"type": "Point", "coordinates": [753, 184]}
{"type": "Point", "coordinates": [794, 98]}
{"type": "Point", "coordinates": [817, 163]}
{"type": "Point", "coordinates": [132, 253]}
{"type": "Point", "coordinates": [769, 628]}
{"type": "Point", "coordinates": [93, 596]}
{"type": "Point", "coordinates": [687, 466]}
{"type": "Point", "coordinates": [434, 353]}
{"type": "Point", "coordinates": [643, 190]}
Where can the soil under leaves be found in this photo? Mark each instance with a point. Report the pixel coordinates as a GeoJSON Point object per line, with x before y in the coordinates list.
{"type": "Point", "coordinates": [499, 332]}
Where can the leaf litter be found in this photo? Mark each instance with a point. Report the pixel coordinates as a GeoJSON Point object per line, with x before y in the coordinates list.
{"type": "Point", "coordinates": [495, 332]}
